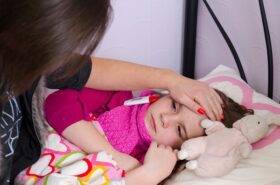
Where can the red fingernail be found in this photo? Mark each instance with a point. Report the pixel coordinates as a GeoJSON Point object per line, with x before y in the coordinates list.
{"type": "Point", "coordinates": [222, 117]}
{"type": "Point", "coordinates": [123, 173]}
{"type": "Point", "coordinates": [201, 111]}
{"type": "Point", "coordinates": [93, 118]}
{"type": "Point", "coordinates": [153, 98]}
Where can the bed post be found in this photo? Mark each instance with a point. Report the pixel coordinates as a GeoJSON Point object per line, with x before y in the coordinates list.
{"type": "Point", "coordinates": [189, 38]}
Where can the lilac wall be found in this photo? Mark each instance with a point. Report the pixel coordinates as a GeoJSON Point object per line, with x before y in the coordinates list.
{"type": "Point", "coordinates": [241, 20]}
{"type": "Point", "coordinates": [146, 32]}
{"type": "Point", "coordinates": [151, 32]}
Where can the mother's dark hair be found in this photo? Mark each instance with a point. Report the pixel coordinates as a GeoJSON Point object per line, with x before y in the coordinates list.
{"type": "Point", "coordinates": [39, 36]}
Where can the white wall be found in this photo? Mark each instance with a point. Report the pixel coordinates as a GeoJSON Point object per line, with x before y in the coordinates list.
{"type": "Point", "coordinates": [146, 32]}
{"type": "Point", "coordinates": [241, 20]}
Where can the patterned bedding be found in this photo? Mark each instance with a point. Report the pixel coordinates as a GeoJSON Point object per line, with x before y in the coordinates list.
{"type": "Point", "coordinates": [61, 162]}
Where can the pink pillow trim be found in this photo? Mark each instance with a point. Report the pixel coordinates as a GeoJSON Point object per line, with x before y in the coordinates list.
{"type": "Point", "coordinates": [247, 94]}
{"type": "Point", "coordinates": [247, 100]}
{"type": "Point", "coordinates": [268, 139]}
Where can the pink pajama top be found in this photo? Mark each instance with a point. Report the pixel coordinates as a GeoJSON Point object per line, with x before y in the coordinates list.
{"type": "Point", "coordinates": [123, 126]}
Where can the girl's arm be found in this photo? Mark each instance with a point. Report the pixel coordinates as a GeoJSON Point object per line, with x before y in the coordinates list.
{"type": "Point", "coordinates": [107, 74]}
{"type": "Point", "coordinates": [86, 136]}
{"type": "Point", "coordinates": [158, 164]}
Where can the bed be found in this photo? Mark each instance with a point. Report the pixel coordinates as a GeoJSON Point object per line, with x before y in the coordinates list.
{"type": "Point", "coordinates": [240, 37]}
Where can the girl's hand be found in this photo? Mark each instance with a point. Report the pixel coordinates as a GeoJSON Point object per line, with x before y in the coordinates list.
{"type": "Point", "coordinates": [159, 161]}
{"type": "Point", "coordinates": [197, 96]}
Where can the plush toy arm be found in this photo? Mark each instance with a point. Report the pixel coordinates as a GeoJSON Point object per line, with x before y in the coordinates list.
{"type": "Point", "coordinates": [192, 148]}
{"type": "Point", "coordinates": [206, 123]}
{"type": "Point", "coordinates": [211, 126]}
{"type": "Point", "coordinates": [245, 150]}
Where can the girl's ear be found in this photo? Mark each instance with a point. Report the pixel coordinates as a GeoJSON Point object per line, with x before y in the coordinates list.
{"type": "Point", "coordinates": [272, 119]}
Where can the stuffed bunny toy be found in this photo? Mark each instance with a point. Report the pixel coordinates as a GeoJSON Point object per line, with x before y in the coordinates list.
{"type": "Point", "coordinates": [217, 153]}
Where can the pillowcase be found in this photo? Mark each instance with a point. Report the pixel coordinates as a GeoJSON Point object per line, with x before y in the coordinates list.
{"type": "Point", "coordinates": [228, 81]}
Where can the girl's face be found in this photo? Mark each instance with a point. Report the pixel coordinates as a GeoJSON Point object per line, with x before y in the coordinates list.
{"type": "Point", "coordinates": [170, 123]}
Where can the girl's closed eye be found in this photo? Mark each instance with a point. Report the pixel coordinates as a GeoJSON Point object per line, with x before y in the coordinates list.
{"type": "Point", "coordinates": [182, 132]}
{"type": "Point", "coordinates": [179, 130]}
{"type": "Point", "coordinates": [173, 105]}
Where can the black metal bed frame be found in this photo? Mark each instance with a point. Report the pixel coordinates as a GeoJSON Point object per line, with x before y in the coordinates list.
{"type": "Point", "coordinates": [188, 67]}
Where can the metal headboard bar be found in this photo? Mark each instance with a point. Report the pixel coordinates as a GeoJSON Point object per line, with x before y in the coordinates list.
{"type": "Point", "coordinates": [228, 41]}
{"type": "Point", "coordinates": [190, 38]}
{"type": "Point", "coordinates": [268, 49]}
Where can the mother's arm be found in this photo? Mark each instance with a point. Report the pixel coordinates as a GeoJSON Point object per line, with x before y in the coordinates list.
{"type": "Point", "coordinates": [108, 74]}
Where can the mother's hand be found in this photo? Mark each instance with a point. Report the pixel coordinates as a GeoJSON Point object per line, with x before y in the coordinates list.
{"type": "Point", "coordinates": [197, 96]}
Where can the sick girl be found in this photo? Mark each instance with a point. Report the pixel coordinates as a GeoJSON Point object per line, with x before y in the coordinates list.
{"type": "Point", "coordinates": [150, 133]}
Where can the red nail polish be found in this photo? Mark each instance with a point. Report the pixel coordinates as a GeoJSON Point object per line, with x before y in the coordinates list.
{"type": "Point", "coordinates": [93, 118]}
{"type": "Point", "coordinates": [201, 111]}
{"type": "Point", "coordinates": [222, 117]}
{"type": "Point", "coordinates": [123, 173]}
{"type": "Point", "coordinates": [153, 98]}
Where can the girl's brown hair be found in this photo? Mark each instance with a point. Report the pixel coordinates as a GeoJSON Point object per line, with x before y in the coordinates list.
{"type": "Point", "coordinates": [38, 37]}
{"type": "Point", "coordinates": [232, 112]}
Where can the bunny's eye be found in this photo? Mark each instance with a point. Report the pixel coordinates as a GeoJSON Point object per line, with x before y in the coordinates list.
{"type": "Point", "coordinates": [259, 122]}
